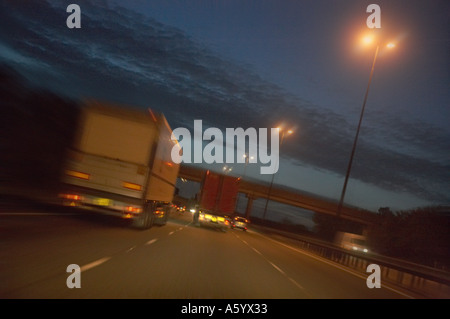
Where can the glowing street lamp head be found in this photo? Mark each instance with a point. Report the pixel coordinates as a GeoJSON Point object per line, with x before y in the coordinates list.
{"type": "Point", "coordinates": [282, 128]}
{"type": "Point", "coordinates": [368, 39]}
{"type": "Point", "coordinates": [390, 45]}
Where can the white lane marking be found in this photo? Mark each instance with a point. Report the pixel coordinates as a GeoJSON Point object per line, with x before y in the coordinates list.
{"type": "Point", "coordinates": [130, 249]}
{"type": "Point", "coordinates": [94, 264]}
{"type": "Point", "coordinates": [335, 265]}
{"type": "Point", "coordinates": [256, 251]}
{"type": "Point", "coordinates": [295, 283]}
{"type": "Point", "coordinates": [151, 241]}
{"type": "Point", "coordinates": [171, 233]}
{"type": "Point", "coordinates": [276, 267]}
{"type": "Point", "coordinates": [272, 264]}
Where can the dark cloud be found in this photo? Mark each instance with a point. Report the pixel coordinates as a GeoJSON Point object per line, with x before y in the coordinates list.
{"type": "Point", "coordinates": [125, 57]}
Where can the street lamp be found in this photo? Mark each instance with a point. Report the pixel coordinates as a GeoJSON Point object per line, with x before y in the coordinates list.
{"type": "Point", "coordinates": [367, 41]}
{"type": "Point", "coordinates": [283, 132]}
{"type": "Point", "coordinates": [227, 169]}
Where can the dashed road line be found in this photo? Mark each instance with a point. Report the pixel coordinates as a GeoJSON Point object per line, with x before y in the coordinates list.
{"type": "Point", "coordinates": [94, 264]}
{"type": "Point", "coordinates": [151, 241]}
{"type": "Point", "coordinates": [130, 249]}
{"type": "Point", "coordinates": [281, 271]}
{"type": "Point", "coordinates": [295, 283]}
{"type": "Point", "coordinates": [276, 267]}
{"type": "Point", "coordinates": [336, 266]}
{"type": "Point", "coordinates": [256, 251]}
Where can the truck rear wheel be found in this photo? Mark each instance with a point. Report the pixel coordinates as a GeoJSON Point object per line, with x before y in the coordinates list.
{"type": "Point", "coordinates": [145, 219]}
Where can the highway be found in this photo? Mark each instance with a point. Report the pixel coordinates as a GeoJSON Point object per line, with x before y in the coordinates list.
{"type": "Point", "coordinates": [175, 261]}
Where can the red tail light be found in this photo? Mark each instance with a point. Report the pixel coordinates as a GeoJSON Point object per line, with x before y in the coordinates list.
{"type": "Point", "coordinates": [71, 196]}
{"type": "Point", "coordinates": [132, 209]}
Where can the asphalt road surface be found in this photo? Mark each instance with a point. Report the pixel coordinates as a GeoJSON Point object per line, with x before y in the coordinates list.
{"type": "Point", "coordinates": [178, 260]}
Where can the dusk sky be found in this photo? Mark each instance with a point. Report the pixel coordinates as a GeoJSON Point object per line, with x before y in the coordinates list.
{"type": "Point", "coordinates": [235, 63]}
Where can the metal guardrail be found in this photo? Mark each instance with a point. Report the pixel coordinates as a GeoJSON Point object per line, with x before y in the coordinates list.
{"type": "Point", "coordinates": [424, 281]}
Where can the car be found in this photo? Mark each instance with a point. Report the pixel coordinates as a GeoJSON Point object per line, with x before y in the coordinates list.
{"type": "Point", "coordinates": [211, 219]}
{"type": "Point", "coordinates": [241, 222]}
{"type": "Point", "coordinates": [229, 219]}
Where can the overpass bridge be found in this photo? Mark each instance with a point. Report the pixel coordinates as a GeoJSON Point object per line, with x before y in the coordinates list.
{"type": "Point", "coordinates": [254, 190]}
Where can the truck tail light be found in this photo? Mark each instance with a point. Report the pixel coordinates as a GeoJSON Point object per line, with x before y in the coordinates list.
{"type": "Point", "coordinates": [77, 174]}
{"type": "Point", "coordinates": [133, 209]}
{"type": "Point", "coordinates": [133, 186]}
{"type": "Point", "coordinates": [71, 196]}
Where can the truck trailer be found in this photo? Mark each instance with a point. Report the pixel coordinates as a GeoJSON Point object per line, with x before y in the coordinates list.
{"type": "Point", "coordinates": [350, 241]}
{"type": "Point", "coordinates": [120, 164]}
{"type": "Point", "coordinates": [217, 200]}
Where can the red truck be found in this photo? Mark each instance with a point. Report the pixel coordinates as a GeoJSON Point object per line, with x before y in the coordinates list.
{"type": "Point", "coordinates": [217, 200]}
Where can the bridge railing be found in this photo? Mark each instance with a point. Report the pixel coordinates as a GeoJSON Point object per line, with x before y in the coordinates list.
{"type": "Point", "coordinates": [423, 281]}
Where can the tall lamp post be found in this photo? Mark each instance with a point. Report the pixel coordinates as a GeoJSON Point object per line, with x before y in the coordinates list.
{"type": "Point", "coordinates": [289, 132]}
{"type": "Point", "coordinates": [247, 158]}
{"type": "Point", "coordinates": [367, 40]}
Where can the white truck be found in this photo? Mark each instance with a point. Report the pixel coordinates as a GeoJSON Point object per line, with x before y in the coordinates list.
{"type": "Point", "coordinates": [351, 241]}
{"type": "Point", "coordinates": [120, 163]}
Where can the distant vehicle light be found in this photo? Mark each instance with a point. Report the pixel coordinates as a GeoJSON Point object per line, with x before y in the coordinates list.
{"type": "Point", "coordinates": [192, 210]}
